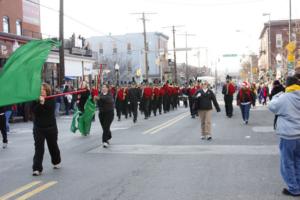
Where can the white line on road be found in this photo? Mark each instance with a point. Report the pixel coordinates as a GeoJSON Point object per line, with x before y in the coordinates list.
{"type": "Point", "coordinates": [169, 124]}
{"type": "Point", "coordinates": [165, 123]}
{"type": "Point", "coordinates": [190, 150]}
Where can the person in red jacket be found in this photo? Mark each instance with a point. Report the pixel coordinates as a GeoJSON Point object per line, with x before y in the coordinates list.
{"type": "Point", "coordinates": [147, 95]}
{"type": "Point", "coordinates": [155, 100]}
{"type": "Point", "coordinates": [228, 92]}
{"type": "Point", "coordinates": [162, 93]}
{"type": "Point", "coordinates": [192, 91]}
{"type": "Point", "coordinates": [171, 97]}
{"type": "Point", "coordinates": [120, 98]}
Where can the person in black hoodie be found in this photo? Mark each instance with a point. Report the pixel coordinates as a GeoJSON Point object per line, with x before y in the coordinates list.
{"type": "Point", "coordinates": [204, 99]}
{"type": "Point", "coordinates": [134, 96]}
{"type": "Point", "coordinates": [45, 128]}
{"type": "Point", "coordinates": [277, 88]}
{"type": "Point", "coordinates": [105, 103]}
{"type": "Point", "coordinates": [3, 126]}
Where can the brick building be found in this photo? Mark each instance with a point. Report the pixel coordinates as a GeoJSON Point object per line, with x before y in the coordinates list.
{"type": "Point", "coordinates": [273, 60]}
{"type": "Point", "coordinates": [20, 22]}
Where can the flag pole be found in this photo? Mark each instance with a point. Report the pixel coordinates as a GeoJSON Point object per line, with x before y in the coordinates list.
{"type": "Point", "coordinates": [66, 93]}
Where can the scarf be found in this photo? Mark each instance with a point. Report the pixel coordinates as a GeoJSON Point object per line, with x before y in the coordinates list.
{"type": "Point", "coordinates": [293, 88]}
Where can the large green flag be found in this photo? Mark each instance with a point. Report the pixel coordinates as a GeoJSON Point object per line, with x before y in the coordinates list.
{"type": "Point", "coordinates": [21, 77]}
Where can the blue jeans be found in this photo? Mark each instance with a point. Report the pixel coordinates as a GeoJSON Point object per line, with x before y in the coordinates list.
{"type": "Point", "coordinates": [290, 164]}
{"type": "Point", "coordinates": [7, 116]}
{"type": "Point", "coordinates": [57, 109]}
{"type": "Point", "coordinates": [245, 109]}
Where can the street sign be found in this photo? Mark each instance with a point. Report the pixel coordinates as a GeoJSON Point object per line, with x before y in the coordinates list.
{"type": "Point", "coordinates": [230, 55]}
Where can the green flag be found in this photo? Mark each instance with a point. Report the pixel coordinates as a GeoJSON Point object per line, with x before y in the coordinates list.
{"type": "Point", "coordinates": [21, 77]}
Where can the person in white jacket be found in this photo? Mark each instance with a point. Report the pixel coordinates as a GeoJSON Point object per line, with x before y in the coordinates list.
{"type": "Point", "coordinates": [287, 107]}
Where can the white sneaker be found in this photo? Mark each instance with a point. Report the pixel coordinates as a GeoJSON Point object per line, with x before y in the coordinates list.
{"type": "Point", "coordinates": [36, 173]}
{"type": "Point", "coordinates": [105, 144]}
{"type": "Point", "coordinates": [4, 146]}
{"type": "Point", "coordinates": [58, 166]}
{"type": "Point", "coordinates": [203, 137]}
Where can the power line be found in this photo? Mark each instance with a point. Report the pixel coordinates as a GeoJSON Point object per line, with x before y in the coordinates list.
{"type": "Point", "coordinates": [77, 21]}
{"type": "Point", "coordinates": [213, 4]}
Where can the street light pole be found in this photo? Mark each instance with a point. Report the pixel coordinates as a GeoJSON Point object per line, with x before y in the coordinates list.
{"type": "Point", "coordinates": [61, 48]}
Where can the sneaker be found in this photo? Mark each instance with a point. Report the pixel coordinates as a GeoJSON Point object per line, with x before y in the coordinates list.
{"type": "Point", "coordinates": [209, 138]}
{"type": "Point", "coordinates": [105, 144]}
{"type": "Point", "coordinates": [203, 137]}
{"type": "Point", "coordinates": [288, 193]}
{"type": "Point", "coordinates": [4, 146]}
{"type": "Point", "coordinates": [58, 166]}
{"type": "Point", "coordinates": [36, 173]}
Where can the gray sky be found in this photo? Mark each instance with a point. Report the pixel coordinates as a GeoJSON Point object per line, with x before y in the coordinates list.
{"type": "Point", "coordinates": [213, 21]}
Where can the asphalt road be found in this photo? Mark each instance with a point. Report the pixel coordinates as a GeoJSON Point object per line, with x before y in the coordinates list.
{"type": "Point", "coordinates": [162, 158]}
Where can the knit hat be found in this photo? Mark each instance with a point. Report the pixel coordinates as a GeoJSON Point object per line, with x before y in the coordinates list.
{"type": "Point", "coordinates": [245, 84]}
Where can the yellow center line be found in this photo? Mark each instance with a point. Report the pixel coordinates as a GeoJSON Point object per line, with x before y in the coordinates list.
{"type": "Point", "coordinates": [163, 124]}
{"type": "Point", "coordinates": [19, 190]}
{"type": "Point", "coordinates": [169, 124]}
{"type": "Point", "coordinates": [37, 190]}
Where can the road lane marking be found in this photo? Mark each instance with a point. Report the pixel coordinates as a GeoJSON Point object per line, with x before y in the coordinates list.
{"type": "Point", "coordinates": [242, 150]}
{"type": "Point", "coordinates": [20, 190]}
{"type": "Point", "coordinates": [169, 124]}
{"type": "Point", "coordinates": [37, 190]}
{"type": "Point", "coordinates": [263, 129]}
{"type": "Point", "coordinates": [163, 124]}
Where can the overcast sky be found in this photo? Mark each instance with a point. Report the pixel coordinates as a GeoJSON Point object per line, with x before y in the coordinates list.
{"type": "Point", "coordinates": [213, 21]}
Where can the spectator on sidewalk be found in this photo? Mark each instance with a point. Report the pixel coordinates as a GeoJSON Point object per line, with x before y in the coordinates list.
{"type": "Point", "coordinates": [287, 107]}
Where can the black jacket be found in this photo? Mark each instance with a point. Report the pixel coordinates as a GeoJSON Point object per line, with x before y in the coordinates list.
{"type": "Point", "coordinates": [105, 103]}
{"type": "Point", "coordinates": [82, 99]}
{"type": "Point", "coordinates": [134, 95]}
{"type": "Point", "coordinates": [204, 100]}
{"type": "Point", "coordinates": [44, 116]}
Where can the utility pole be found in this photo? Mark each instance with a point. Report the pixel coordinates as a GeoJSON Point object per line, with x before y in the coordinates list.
{"type": "Point", "coordinates": [290, 20]}
{"type": "Point", "coordinates": [146, 47]}
{"type": "Point", "coordinates": [174, 47]}
{"type": "Point", "coordinates": [61, 48]}
{"type": "Point", "coordinates": [186, 55]}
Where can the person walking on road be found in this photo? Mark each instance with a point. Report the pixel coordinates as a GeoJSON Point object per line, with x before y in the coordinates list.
{"type": "Point", "coordinates": [3, 127]}
{"type": "Point", "coordinates": [244, 99]}
{"type": "Point", "coordinates": [204, 99]}
{"type": "Point", "coordinates": [134, 96]}
{"type": "Point", "coordinates": [45, 128]}
{"type": "Point", "coordinates": [228, 92]}
{"type": "Point", "coordinates": [105, 103]}
{"type": "Point", "coordinates": [287, 107]}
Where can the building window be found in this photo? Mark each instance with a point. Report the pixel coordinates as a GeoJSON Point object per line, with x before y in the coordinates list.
{"type": "Point", "coordinates": [115, 50]}
{"type": "Point", "coordinates": [18, 27]}
{"type": "Point", "coordinates": [101, 48]}
{"type": "Point", "coordinates": [279, 41]}
{"type": "Point", "coordinates": [5, 21]}
{"type": "Point", "coordinates": [129, 49]}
